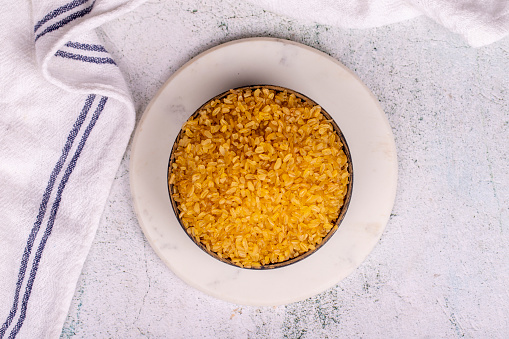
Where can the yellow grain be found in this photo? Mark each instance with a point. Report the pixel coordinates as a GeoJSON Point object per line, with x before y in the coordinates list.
{"type": "Point", "coordinates": [277, 165]}
{"type": "Point", "coordinates": [259, 177]}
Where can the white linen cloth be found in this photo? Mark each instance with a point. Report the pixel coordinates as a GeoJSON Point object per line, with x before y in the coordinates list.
{"type": "Point", "coordinates": [66, 116]}
{"type": "Point", "coordinates": [479, 22]}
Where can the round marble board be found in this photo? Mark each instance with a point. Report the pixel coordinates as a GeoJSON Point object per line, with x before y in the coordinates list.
{"type": "Point", "coordinates": [266, 61]}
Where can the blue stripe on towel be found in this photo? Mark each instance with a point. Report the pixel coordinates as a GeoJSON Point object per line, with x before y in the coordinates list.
{"type": "Point", "coordinates": [79, 57]}
{"type": "Point", "coordinates": [42, 209]}
{"type": "Point", "coordinates": [51, 220]}
{"type": "Point", "coordinates": [86, 47]}
{"type": "Point", "coordinates": [63, 22]}
{"type": "Point", "coordinates": [57, 12]}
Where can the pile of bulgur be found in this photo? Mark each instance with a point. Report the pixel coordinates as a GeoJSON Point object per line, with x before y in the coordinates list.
{"type": "Point", "coordinates": [259, 176]}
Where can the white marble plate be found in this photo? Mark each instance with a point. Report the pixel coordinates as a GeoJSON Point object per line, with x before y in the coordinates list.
{"type": "Point", "coordinates": [305, 70]}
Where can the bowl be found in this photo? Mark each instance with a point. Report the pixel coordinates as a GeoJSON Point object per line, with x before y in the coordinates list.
{"type": "Point", "coordinates": [336, 223]}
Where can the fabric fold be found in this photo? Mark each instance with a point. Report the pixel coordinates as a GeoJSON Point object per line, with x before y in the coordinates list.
{"type": "Point", "coordinates": [479, 22]}
{"type": "Point", "coordinates": [67, 117]}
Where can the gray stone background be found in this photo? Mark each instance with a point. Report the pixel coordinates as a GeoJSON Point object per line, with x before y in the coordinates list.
{"type": "Point", "coordinates": [441, 268]}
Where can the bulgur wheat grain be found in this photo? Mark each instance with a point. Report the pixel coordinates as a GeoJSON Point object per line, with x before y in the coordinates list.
{"type": "Point", "coordinates": [259, 177]}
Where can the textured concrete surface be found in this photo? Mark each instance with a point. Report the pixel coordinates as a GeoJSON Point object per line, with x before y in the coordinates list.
{"type": "Point", "coordinates": [442, 266]}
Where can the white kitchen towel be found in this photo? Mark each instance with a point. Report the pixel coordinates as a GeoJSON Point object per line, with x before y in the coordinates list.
{"type": "Point", "coordinates": [65, 120]}
{"type": "Point", "coordinates": [479, 22]}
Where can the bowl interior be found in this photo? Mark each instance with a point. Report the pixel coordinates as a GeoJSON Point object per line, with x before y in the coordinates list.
{"type": "Point", "coordinates": [346, 200]}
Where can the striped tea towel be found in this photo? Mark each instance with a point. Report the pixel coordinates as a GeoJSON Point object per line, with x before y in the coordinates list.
{"type": "Point", "coordinates": [479, 22]}
{"type": "Point", "coordinates": [65, 120]}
